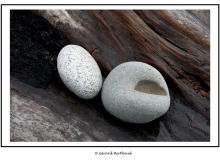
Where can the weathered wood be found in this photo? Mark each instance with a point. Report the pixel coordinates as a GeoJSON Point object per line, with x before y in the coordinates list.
{"type": "Point", "coordinates": [59, 115]}
{"type": "Point", "coordinates": [177, 43]}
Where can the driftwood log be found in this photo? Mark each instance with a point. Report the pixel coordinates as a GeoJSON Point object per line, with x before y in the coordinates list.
{"type": "Point", "coordinates": [176, 42]}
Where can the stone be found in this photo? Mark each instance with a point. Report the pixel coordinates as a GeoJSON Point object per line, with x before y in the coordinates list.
{"type": "Point", "coordinates": [135, 92]}
{"type": "Point", "coordinates": [79, 71]}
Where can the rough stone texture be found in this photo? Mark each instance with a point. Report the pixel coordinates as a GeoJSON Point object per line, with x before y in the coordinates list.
{"type": "Point", "coordinates": [79, 71]}
{"type": "Point", "coordinates": [135, 92]}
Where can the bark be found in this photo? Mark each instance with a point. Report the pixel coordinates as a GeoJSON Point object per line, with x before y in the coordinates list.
{"type": "Point", "coordinates": [176, 42]}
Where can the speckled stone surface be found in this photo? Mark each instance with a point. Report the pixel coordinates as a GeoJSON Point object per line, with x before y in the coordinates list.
{"type": "Point", "coordinates": [135, 92]}
{"type": "Point", "coordinates": [79, 71]}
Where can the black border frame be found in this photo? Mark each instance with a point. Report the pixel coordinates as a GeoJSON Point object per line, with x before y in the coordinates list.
{"type": "Point", "coordinates": [110, 5]}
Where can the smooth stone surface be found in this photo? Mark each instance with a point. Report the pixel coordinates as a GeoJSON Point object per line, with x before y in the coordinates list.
{"type": "Point", "coordinates": [135, 92]}
{"type": "Point", "coordinates": [79, 71]}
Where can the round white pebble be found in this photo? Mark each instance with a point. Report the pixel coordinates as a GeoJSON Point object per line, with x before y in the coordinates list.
{"type": "Point", "coordinates": [135, 92]}
{"type": "Point", "coordinates": [79, 71]}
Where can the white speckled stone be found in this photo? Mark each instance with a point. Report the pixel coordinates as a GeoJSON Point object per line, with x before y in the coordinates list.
{"type": "Point", "coordinates": [79, 71]}
{"type": "Point", "coordinates": [135, 92]}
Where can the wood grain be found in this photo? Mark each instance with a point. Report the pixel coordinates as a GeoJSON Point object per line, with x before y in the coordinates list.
{"type": "Point", "coordinates": [176, 42]}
